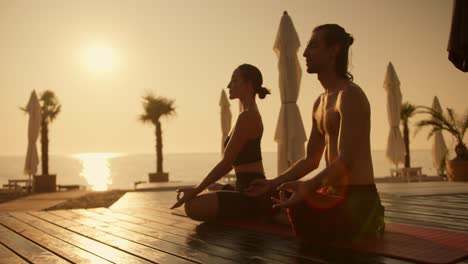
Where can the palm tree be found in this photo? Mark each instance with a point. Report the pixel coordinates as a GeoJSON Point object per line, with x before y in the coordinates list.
{"type": "Point", "coordinates": [448, 122]}
{"type": "Point", "coordinates": [50, 108]}
{"type": "Point", "coordinates": [156, 107]}
{"type": "Point", "coordinates": [407, 111]}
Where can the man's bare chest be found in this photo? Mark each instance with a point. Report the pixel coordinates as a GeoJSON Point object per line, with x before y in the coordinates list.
{"type": "Point", "coordinates": [327, 116]}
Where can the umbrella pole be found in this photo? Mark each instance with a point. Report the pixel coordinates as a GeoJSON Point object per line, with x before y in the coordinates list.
{"type": "Point", "coordinates": [29, 183]}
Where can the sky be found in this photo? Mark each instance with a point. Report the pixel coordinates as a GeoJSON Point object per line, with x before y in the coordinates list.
{"type": "Point", "coordinates": [101, 56]}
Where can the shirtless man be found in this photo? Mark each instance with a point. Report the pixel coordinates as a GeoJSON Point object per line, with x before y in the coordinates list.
{"type": "Point", "coordinates": [341, 201]}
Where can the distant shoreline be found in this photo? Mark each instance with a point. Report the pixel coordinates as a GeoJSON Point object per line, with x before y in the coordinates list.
{"type": "Point", "coordinates": [168, 153]}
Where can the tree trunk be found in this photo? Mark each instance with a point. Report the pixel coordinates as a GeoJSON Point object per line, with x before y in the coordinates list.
{"type": "Point", "coordinates": [406, 139]}
{"type": "Point", "coordinates": [159, 157]}
{"type": "Point", "coordinates": [44, 147]}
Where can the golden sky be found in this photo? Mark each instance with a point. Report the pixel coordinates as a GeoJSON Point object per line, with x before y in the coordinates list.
{"type": "Point", "coordinates": [100, 57]}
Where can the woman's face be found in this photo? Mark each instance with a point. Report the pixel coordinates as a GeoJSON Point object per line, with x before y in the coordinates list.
{"type": "Point", "coordinates": [238, 88]}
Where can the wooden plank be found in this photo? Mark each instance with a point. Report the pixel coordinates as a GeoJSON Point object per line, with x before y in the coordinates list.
{"type": "Point", "coordinates": [258, 242]}
{"type": "Point", "coordinates": [150, 254]}
{"type": "Point", "coordinates": [431, 213]}
{"type": "Point", "coordinates": [427, 218]}
{"type": "Point", "coordinates": [428, 209]}
{"type": "Point", "coordinates": [220, 237]}
{"type": "Point", "coordinates": [57, 246]}
{"type": "Point", "coordinates": [83, 242]}
{"type": "Point", "coordinates": [450, 198]}
{"type": "Point", "coordinates": [179, 240]}
{"type": "Point", "coordinates": [26, 248]}
{"type": "Point", "coordinates": [406, 220]}
{"type": "Point", "coordinates": [427, 202]}
{"type": "Point", "coordinates": [188, 239]}
{"type": "Point", "coordinates": [153, 203]}
{"type": "Point", "coordinates": [150, 241]}
{"type": "Point", "coordinates": [7, 256]}
{"type": "Point", "coordinates": [419, 223]}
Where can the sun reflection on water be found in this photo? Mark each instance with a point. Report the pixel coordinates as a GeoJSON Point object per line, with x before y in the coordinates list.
{"type": "Point", "coordinates": [95, 168]}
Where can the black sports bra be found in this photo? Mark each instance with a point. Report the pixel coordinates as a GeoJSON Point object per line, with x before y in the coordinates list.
{"type": "Point", "coordinates": [250, 152]}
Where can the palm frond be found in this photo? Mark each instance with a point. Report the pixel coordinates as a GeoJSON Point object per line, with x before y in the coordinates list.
{"type": "Point", "coordinates": [144, 118]}
{"type": "Point", "coordinates": [438, 117]}
{"type": "Point", "coordinates": [464, 125]}
{"type": "Point", "coordinates": [407, 111]}
{"type": "Point", "coordinates": [156, 107]}
{"type": "Point", "coordinates": [448, 122]}
{"type": "Point", "coordinates": [50, 106]}
{"type": "Point", "coordinates": [54, 112]}
{"type": "Point", "coordinates": [429, 122]}
{"type": "Point", "coordinates": [433, 131]}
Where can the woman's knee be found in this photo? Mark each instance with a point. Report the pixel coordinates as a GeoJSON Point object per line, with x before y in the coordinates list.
{"type": "Point", "coordinates": [201, 208]}
{"type": "Point", "coordinates": [191, 209]}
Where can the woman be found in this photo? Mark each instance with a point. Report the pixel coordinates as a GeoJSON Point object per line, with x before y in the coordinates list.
{"type": "Point", "coordinates": [242, 152]}
{"type": "Point", "coordinates": [341, 201]}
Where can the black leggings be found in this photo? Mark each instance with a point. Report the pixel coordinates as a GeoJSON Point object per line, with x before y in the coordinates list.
{"type": "Point", "coordinates": [235, 204]}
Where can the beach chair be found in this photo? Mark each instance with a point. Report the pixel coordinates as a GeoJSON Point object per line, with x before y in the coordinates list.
{"type": "Point", "coordinates": [228, 178]}
{"type": "Point", "coordinates": [68, 187]}
{"type": "Point", "coordinates": [408, 174]}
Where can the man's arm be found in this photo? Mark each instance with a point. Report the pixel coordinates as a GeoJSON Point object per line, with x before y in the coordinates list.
{"type": "Point", "coordinates": [354, 111]}
{"type": "Point", "coordinates": [311, 161]}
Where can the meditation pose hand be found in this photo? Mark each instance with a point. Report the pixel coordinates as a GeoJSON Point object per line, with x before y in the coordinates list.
{"type": "Point", "coordinates": [187, 195]}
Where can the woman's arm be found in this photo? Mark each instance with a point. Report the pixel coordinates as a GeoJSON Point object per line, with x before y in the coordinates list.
{"type": "Point", "coordinates": [238, 138]}
{"type": "Point", "coordinates": [301, 168]}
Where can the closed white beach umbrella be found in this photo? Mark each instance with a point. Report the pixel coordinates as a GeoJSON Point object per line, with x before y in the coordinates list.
{"type": "Point", "coordinates": [34, 111]}
{"type": "Point", "coordinates": [226, 117]}
{"type": "Point", "coordinates": [458, 40]}
{"type": "Point", "coordinates": [395, 145]}
{"type": "Point", "coordinates": [439, 148]}
{"type": "Point", "coordinates": [290, 134]}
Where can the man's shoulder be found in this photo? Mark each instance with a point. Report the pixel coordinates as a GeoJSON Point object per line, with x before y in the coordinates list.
{"type": "Point", "coordinates": [353, 95]}
{"type": "Point", "coordinates": [354, 91]}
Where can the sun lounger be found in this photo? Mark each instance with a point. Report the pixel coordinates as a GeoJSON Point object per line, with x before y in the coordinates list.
{"type": "Point", "coordinates": [229, 178]}
{"type": "Point", "coordinates": [68, 187]}
{"type": "Point", "coordinates": [408, 174]}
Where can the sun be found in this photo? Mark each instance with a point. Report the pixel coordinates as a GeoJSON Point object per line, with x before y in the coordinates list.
{"type": "Point", "coordinates": [99, 58]}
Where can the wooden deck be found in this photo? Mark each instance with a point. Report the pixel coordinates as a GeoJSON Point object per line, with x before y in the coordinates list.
{"type": "Point", "coordinates": [140, 229]}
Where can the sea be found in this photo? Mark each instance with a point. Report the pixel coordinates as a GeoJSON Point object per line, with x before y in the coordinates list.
{"type": "Point", "coordinates": [106, 171]}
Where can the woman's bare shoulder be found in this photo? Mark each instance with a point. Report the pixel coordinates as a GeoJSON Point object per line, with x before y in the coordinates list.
{"type": "Point", "coordinates": [250, 121]}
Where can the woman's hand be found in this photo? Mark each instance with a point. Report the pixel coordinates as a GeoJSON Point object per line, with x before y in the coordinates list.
{"type": "Point", "coordinates": [187, 195]}
{"type": "Point", "coordinates": [259, 187]}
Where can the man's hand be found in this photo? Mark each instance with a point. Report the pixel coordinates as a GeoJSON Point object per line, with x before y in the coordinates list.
{"type": "Point", "coordinates": [299, 191]}
{"type": "Point", "coordinates": [259, 187]}
{"type": "Point", "coordinates": [187, 195]}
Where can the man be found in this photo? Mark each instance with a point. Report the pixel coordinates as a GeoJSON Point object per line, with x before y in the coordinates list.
{"type": "Point", "coordinates": [341, 201]}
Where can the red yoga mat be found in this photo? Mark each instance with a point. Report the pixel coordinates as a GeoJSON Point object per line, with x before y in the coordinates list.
{"type": "Point", "coordinates": [406, 242]}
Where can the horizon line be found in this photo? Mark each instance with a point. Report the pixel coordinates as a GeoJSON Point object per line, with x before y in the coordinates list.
{"type": "Point", "coordinates": [151, 153]}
